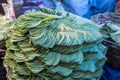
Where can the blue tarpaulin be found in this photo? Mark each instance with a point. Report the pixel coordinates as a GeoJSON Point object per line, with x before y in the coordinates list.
{"type": "Point", "coordinates": [110, 73]}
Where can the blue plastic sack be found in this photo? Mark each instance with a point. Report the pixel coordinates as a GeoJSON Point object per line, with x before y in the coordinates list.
{"type": "Point", "coordinates": [101, 6]}
{"type": "Point", "coordinates": [87, 8]}
{"type": "Point", "coordinates": [79, 7]}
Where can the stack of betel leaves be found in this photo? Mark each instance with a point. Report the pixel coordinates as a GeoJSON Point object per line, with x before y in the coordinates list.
{"type": "Point", "coordinates": [4, 28]}
{"type": "Point", "coordinates": [111, 34]}
{"type": "Point", "coordinates": [53, 45]}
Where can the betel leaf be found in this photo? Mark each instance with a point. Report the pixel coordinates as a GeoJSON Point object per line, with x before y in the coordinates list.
{"type": "Point", "coordinates": [12, 46]}
{"type": "Point", "coordinates": [32, 55]}
{"type": "Point", "coordinates": [62, 27]}
{"type": "Point", "coordinates": [65, 49]}
{"type": "Point", "coordinates": [68, 38]}
{"type": "Point", "coordinates": [86, 74]}
{"type": "Point", "coordinates": [51, 58]}
{"type": "Point", "coordinates": [111, 32]}
{"type": "Point", "coordinates": [27, 21]}
{"type": "Point", "coordinates": [27, 49]}
{"type": "Point", "coordinates": [22, 70]}
{"type": "Point", "coordinates": [10, 54]}
{"type": "Point", "coordinates": [61, 70]}
{"type": "Point", "coordinates": [90, 55]}
{"type": "Point", "coordinates": [15, 38]}
{"type": "Point", "coordinates": [19, 56]}
{"type": "Point", "coordinates": [35, 66]}
{"type": "Point", "coordinates": [9, 62]}
{"type": "Point", "coordinates": [16, 76]}
{"type": "Point", "coordinates": [116, 36]}
{"type": "Point", "coordinates": [4, 30]}
{"type": "Point", "coordinates": [76, 57]}
{"type": "Point", "coordinates": [113, 27]}
{"type": "Point", "coordinates": [44, 38]}
{"type": "Point", "coordinates": [87, 66]}
{"type": "Point", "coordinates": [68, 78]}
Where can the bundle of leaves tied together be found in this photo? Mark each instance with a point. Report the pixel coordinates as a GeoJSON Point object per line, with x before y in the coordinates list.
{"type": "Point", "coordinates": [52, 45]}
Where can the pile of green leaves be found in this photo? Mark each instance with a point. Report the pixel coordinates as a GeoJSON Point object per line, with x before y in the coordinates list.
{"type": "Point", "coordinates": [52, 45]}
{"type": "Point", "coordinates": [111, 32]}
{"type": "Point", "coordinates": [4, 29]}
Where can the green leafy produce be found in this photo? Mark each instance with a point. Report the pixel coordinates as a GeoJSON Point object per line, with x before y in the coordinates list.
{"type": "Point", "coordinates": [53, 45]}
{"type": "Point", "coordinates": [111, 32]}
{"type": "Point", "coordinates": [4, 29]}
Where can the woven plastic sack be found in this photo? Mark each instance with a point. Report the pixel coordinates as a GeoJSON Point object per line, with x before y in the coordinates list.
{"type": "Point", "coordinates": [113, 54]}
{"type": "Point", "coordinates": [18, 4]}
{"type": "Point", "coordinates": [106, 17]}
